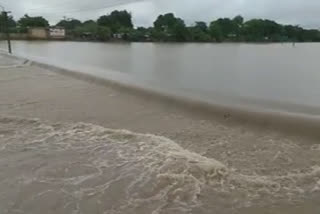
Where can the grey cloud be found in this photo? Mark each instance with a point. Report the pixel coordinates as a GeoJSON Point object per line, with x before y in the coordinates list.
{"type": "Point", "coordinates": [303, 12]}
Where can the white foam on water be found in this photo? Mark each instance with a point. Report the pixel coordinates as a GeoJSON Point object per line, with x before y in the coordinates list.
{"type": "Point", "coordinates": [159, 170]}
{"type": "Point", "coordinates": [82, 168]}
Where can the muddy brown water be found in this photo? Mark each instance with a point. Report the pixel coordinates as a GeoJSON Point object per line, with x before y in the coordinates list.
{"type": "Point", "coordinates": [69, 167]}
{"type": "Point", "coordinates": [83, 168]}
{"type": "Point", "coordinates": [278, 77]}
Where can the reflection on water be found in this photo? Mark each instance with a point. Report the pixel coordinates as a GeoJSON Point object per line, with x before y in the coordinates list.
{"type": "Point", "coordinates": [272, 73]}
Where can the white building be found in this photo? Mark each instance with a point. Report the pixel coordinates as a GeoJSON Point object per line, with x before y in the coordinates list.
{"type": "Point", "coordinates": [57, 33]}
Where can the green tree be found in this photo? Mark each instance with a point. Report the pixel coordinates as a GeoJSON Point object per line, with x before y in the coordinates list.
{"type": "Point", "coordinates": [87, 30]}
{"type": "Point", "coordinates": [198, 35]}
{"type": "Point", "coordinates": [272, 30]}
{"type": "Point", "coordinates": [293, 33]}
{"type": "Point", "coordinates": [159, 35]}
{"type": "Point", "coordinates": [180, 31]}
{"type": "Point", "coordinates": [140, 34]}
{"type": "Point", "coordinates": [103, 33]}
{"type": "Point", "coordinates": [11, 23]}
{"type": "Point", "coordinates": [238, 25]}
{"type": "Point", "coordinates": [202, 26]}
{"type": "Point", "coordinates": [263, 30]}
{"type": "Point", "coordinates": [253, 30]}
{"type": "Point", "coordinates": [238, 20]}
{"type": "Point", "coordinates": [69, 24]}
{"type": "Point", "coordinates": [165, 22]}
{"type": "Point", "coordinates": [116, 21]}
{"type": "Point", "coordinates": [89, 22]}
{"type": "Point", "coordinates": [200, 32]}
{"type": "Point", "coordinates": [90, 30]}
{"type": "Point", "coordinates": [311, 35]}
{"type": "Point", "coordinates": [169, 28]}
{"type": "Point", "coordinates": [216, 32]}
{"type": "Point", "coordinates": [89, 26]}
{"type": "Point", "coordinates": [223, 28]}
{"type": "Point", "coordinates": [27, 21]}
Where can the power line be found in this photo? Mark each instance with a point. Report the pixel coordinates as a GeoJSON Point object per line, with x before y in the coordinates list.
{"type": "Point", "coordinates": [102, 7]}
{"type": "Point", "coordinates": [54, 5]}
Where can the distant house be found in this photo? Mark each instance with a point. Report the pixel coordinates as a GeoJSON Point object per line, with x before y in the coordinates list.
{"type": "Point", "coordinates": [46, 33]}
{"type": "Point", "coordinates": [232, 35]}
{"type": "Point", "coordinates": [87, 36]}
{"type": "Point", "coordinates": [38, 33]}
{"type": "Point", "coordinates": [57, 33]}
{"type": "Point", "coordinates": [118, 35]}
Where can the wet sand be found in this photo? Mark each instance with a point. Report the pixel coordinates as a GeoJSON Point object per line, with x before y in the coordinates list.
{"type": "Point", "coordinates": [211, 164]}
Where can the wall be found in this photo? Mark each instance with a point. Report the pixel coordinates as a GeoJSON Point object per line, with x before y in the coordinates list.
{"type": "Point", "coordinates": [14, 36]}
{"type": "Point", "coordinates": [38, 33]}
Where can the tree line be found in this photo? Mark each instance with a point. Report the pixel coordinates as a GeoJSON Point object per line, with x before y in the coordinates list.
{"type": "Point", "coordinates": [169, 28]}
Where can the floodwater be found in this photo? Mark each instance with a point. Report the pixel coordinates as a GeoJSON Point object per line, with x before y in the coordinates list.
{"type": "Point", "coordinates": [276, 77]}
{"type": "Point", "coordinates": [79, 168]}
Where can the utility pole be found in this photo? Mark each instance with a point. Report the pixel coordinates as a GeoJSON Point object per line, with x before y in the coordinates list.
{"type": "Point", "coordinates": [6, 27]}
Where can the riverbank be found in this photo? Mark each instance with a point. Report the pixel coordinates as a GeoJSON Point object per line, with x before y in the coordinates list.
{"type": "Point", "coordinates": [270, 170]}
{"type": "Point", "coordinates": [24, 37]}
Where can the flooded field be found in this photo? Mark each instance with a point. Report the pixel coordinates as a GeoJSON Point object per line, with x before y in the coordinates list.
{"type": "Point", "coordinates": [192, 163]}
{"type": "Point", "coordinates": [278, 77]}
{"type": "Point", "coordinates": [84, 168]}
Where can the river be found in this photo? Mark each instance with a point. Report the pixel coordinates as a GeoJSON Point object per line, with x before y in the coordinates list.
{"type": "Point", "coordinates": [276, 77]}
{"type": "Point", "coordinates": [207, 166]}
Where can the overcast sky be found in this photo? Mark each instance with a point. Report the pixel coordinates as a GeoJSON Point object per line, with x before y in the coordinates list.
{"type": "Point", "coordinates": [302, 12]}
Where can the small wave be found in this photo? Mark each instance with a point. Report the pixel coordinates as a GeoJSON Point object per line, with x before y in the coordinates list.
{"type": "Point", "coordinates": [158, 170]}
{"type": "Point", "coordinates": [83, 168]}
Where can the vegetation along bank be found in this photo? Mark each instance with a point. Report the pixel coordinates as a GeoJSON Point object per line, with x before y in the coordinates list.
{"type": "Point", "coordinates": [118, 25]}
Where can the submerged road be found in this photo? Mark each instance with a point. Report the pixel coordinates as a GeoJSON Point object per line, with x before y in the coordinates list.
{"type": "Point", "coordinates": [78, 158]}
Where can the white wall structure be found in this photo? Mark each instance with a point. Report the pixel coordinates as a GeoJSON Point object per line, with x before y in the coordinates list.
{"type": "Point", "coordinates": [57, 33]}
